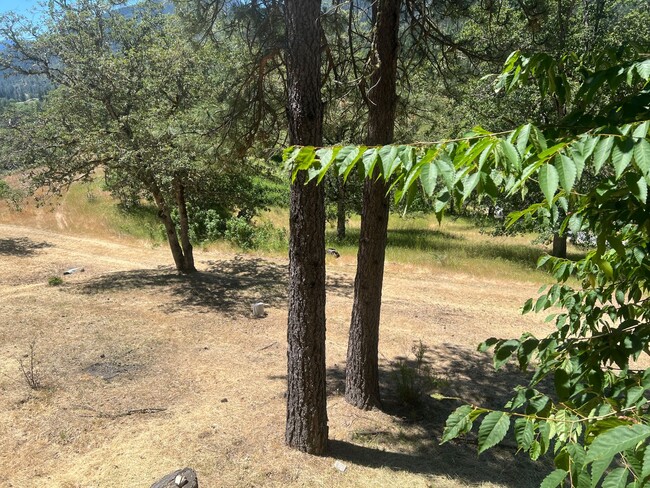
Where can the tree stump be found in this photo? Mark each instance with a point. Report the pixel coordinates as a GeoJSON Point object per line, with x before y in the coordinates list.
{"type": "Point", "coordinates": [183, 478]}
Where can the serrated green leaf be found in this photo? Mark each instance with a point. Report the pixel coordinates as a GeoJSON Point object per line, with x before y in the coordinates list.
{"type": "Point", "coordinates": [535, 451]}
{"type": "Point", "coordinates": [643, 69]}
{"type": "Point", "coordinates": [635, 393]}
{"type": "Point", "coordinates": [327, 156]}
{"type": "Point", "coordinates": [567, 171]}
{"type": "Point", "coordinates": [548, 182]}
{"type": "Point", "coordinates": [554, 479]}
{"type": "Point", "coordinates": [407, 157]}
{"type": "Point", "coordinates": [389, 160]}
{"type": "Point", "coordinates": [602, 152]}
{"type": "Point", "coordinates": [639, 189]}
{"type": "Point", "coordinates": [524, 433]}
{"type": "Point", "coordinates": [562, 384]}
{"type": "Point", "coordinates": [613, 441]}
{"type": "Point", "coordinates": [646, 464]}
{"type": "Point", "coordinates": [511, 154]}
{"type": "Point", "coordinates": [346, 158]}
{"type": "Point", "coordinates": [429, 177]}
{"type": "Point", "coordinates": [469, 183]}
{"type": "Point", "coordinates": [616, 479]}
{"type": "Point", "coordinates": [522, 138]}
{"type": "Point", "coordinates": [493, 429]}
{"type": "Point", "coordinates": [622, 155]}
{"type": "Point", "coordinates": [446, 170]}
{"type": "Point", "coordinates": [641, 130]}
{"type": "Point", "coordinates": [370, 159]}
{"type": "Point", "coordinates": [642, 156]}
{"type": "Point", "coordinates": [459, 422]}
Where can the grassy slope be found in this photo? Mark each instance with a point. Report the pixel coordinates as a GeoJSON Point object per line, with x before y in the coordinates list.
{"type": "Point", "coordinates": [453, 245]}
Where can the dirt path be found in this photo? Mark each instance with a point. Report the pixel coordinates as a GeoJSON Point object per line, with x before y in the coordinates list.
{"type": "Point", "coordinates": [145, 371]}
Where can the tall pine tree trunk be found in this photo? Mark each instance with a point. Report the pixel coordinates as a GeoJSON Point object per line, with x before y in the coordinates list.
{"type": "Point", "coordinates": [306, 428]}
{"type": "Point", "coordinates": [361, 376]}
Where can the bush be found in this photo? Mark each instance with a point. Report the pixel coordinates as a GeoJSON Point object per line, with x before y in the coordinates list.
{"type": "Point", "coordinates": [54, 281]}
{"type": "Point", "coordinates": [246, 235]}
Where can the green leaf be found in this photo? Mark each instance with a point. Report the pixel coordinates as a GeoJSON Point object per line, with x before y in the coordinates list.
{"type": "Point", "coordinates": [613, 441]}
{"type": "Point", "coordinates": [567, 171]}
{"type": "Point", "coordinates": [641, 130]}
{"type": "Point", "coordinates": [522, 138]}
{"type": "Point", "coordinates": [446, 170]}
{"type": "Point", "coordinates": [347, 157]}
{"type": "Point", "coordinates": [370, 158]}
{"type": "Point", "coordinates": [643, 69]}
{"type": "Point", "coordinates": [535, 451]}
{"type": "Point", "coordinates": [622, 155]}
{"type": "Point", "coordinates": [554, 479]}
{"type": "Point", "coordinates": [642, 156]}
{"type": "Point", "coordinates": [634, 394]}
{"type": "Point", "coordinates": [562, 384]}
{"type": "Point", "coordinates": [429, 177]}
{"type": "Point", "coordinates": [389, 160]}
{"type": "Point", "coordinates": [524, 433]}
{"type": "Point", "coordinates": [602, 152]}
{"type": "Point", "coordinates": [492, 430]}
{"type": "Point", "coordinates": [327, 156]}
{"type": "Point", "coordinates": [616, 479]}
{"type": "Point", "coordinates": [469, 183]}
{"type": "Point", "coordinates": [638, 187]}
{"type": "Point", "coordinates": [458, 423]}
{"type": "Point", "coordinates": [548, 182]}
{"type": "Point", "coordinates": [646, 464]}
{"type": "Point", "coordinates": [511, 154]}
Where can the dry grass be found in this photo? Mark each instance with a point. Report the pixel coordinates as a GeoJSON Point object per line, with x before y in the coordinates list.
{"type": "Point", "coordinates": [128, 334]}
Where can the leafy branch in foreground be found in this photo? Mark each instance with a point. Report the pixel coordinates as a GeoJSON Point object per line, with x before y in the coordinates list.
{"type": "Point", "coordinates": [593, 170]}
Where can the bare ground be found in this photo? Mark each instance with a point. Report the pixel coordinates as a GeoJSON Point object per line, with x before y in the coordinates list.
{"type": "Point", "coordinates": [146, 371]}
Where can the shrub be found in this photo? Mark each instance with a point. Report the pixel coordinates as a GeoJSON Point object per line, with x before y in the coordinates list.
{"type": "Point", "coordinates": [54, 281]}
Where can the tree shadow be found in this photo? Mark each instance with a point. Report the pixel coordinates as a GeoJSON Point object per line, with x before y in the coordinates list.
{"type": "Point", "coordinates": [412, 444]}
{"type": "Point", "coordinates": [21, 247]}
{"type": "Point", "coordinates": [229, 286]}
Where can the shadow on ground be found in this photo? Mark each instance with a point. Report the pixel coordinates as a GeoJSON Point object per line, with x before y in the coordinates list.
{"type": "Point", "coordinates": [21, 247]}
{"type": "Point", "coordinates": [412, 444]}
{"type": "Point", "coordinates": [229, 286]}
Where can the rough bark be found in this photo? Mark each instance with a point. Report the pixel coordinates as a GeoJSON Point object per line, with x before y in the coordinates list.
{"type": "Point", "coordinates": [186, 245]}
{"type": "Point", "coordinates": [361, 378]}
{"type": "Point", "coordinates": [559, 246]}
{"type": "Point", "coordinates": [306, 427]}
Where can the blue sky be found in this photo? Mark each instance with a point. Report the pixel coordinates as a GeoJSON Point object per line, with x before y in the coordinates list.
{"type": "Point", "coordinates": [20, 6]}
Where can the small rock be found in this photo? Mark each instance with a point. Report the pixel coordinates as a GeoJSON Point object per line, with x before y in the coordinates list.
{"type": "Point", "coordinates": [224, 400]}
{"type": "Point", "coordinates": [73, 270]}
{"type": "Point", "coordinates": [183, 478]}
{"type": "Point", "coordinates": [340, 466]}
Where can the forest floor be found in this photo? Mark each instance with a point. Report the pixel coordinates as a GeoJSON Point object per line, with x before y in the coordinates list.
{"type": "Point", "coordinates": [144, 371]}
